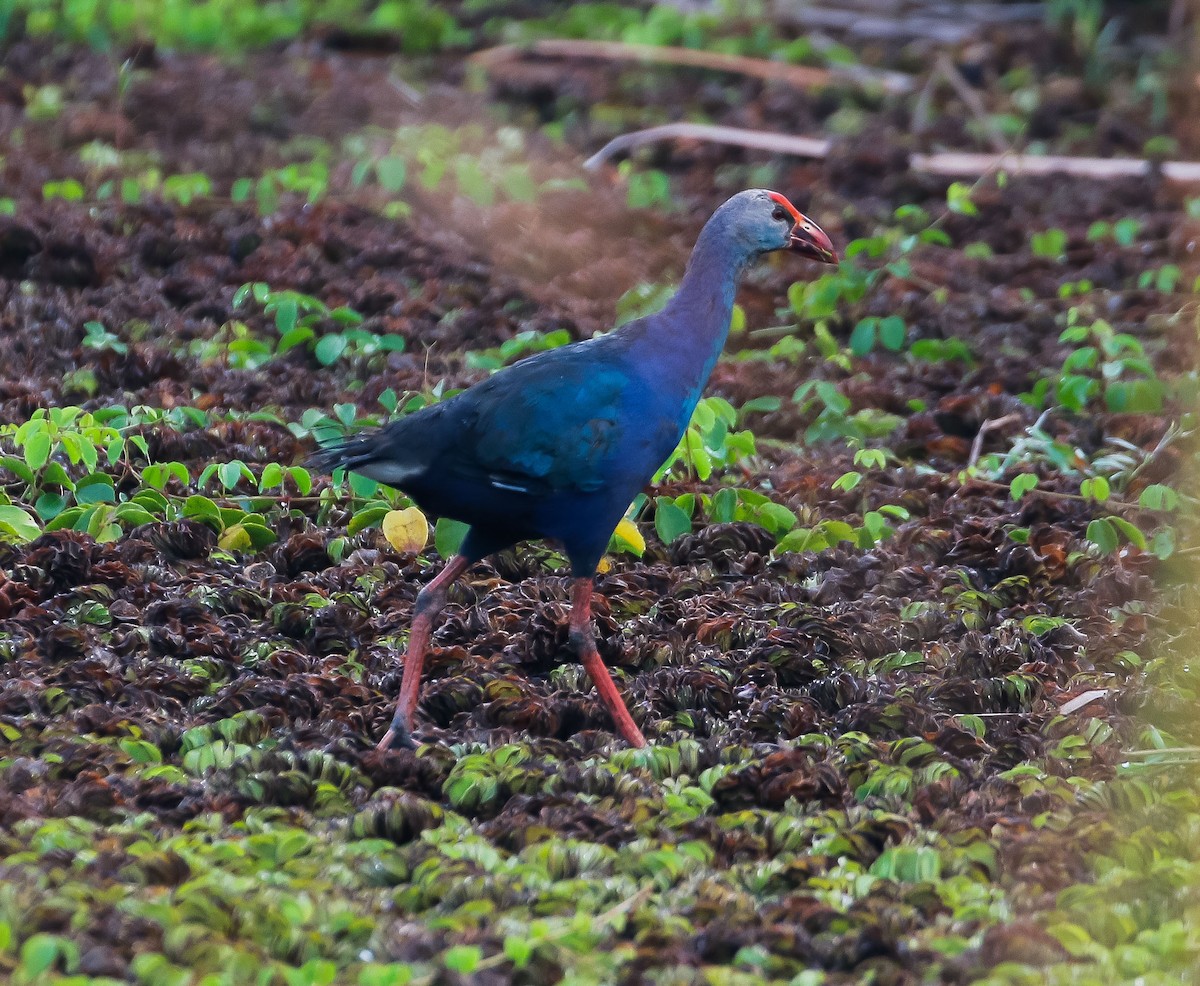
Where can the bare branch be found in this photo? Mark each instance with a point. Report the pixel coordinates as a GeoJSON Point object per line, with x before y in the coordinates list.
{"type": "Point", "coordinates": [814, 147]}
{"type": "Point", "coordinates": [800, 76]}
{"type": "Point", "coordinates": [950, 163]}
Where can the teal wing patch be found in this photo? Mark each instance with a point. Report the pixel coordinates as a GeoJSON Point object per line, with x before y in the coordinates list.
{"type": "Point", "coordinates": [545, 426]}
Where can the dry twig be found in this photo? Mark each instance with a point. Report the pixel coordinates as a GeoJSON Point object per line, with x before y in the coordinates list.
{"type": "Point", "coordinates": [813, 147]}
{"type": "Point", "coordinates": [950, 163]}
{"type": "Point", "coordinates": [984, 429]}
{"type": "Point", "coordinates": [800, 76]}
{"type": "Point", "coordinates": [962, 164]}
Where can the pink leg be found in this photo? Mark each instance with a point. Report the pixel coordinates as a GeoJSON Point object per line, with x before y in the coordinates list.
{"type": "Point", "coordinates": [585, 643]}
{"type": "Point", "coordinates": [430, 601]}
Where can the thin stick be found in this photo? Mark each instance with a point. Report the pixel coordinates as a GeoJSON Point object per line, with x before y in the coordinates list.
{"type": "Point", "coordinates": [949, 163]}
{"type": "Point", "coordinates": [959, 163]}
{"type": "Point", "coordinates": [800, 76]}
{"type": "Point", "coordinates": [985, 429]}
{"type": "Point", "coordinates": [812, 147]}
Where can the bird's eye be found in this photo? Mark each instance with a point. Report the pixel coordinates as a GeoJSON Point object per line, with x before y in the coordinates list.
{"type": "Point", "coordinates": [779, 213]}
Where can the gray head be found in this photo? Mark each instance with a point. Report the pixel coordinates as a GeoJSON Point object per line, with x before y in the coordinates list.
{"type": "Point", "coordinates": [760, 221]}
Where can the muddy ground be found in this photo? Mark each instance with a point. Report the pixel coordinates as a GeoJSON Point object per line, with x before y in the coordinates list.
{"type": "Point", "coordinates": [773, 667]}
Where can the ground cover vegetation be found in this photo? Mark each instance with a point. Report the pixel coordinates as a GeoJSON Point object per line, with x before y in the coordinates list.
{"type": "Point", "coordinates": [907, 619]}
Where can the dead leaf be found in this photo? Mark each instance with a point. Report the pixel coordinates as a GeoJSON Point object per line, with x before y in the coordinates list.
{"type": "Point", "coordinates": [234, 538]}
{"type": "Point", "coordinates": [406, 530]}
{"type": "Point", "coordinates": [630, 537]}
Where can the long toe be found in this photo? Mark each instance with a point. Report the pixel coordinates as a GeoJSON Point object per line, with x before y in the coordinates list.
{"type": "Point", "coordinates": [398, 737]}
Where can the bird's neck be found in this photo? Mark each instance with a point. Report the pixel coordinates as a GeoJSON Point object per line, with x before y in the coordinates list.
{"type": "Point", "coordinates": [696, 319]}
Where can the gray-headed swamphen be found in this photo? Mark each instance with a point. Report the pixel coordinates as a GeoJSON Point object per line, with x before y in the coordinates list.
{"type": "Point", "coordinates": [557, 445]}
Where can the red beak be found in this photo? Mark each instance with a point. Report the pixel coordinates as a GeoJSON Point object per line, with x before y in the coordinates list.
{"type": "Point", "coordinates": [809, 240]}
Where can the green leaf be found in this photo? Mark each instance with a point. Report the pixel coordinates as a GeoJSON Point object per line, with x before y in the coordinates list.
{"type": "Point", "coordinates": [1102, 534]}
{"type": "Point", "coordinates": [329, 348]}
{"type": "Point", "coordinates": [259, 533]}
{"type": "Point", "coordinates": [95, 493]}
{"type": "Point", "coordinates": [229, 473]}
{"type": "Point", "coordinates": [762, 405]}
{"type": "Point", "coordinates": [344, 315]}
{"type": "Point", "coordinates": [1125, 230]}
{"type": "Point", "coordinates": [697, 454]}
{"type": "Point", "coordinates": [1024, 483]}
{"type": "Point", "coordinates": [39, 953]}
{"type": "Point", "coordinates": [958, 199]}
{"type": "Point", "coordinates": [723, 506]}
{"type": "Point", "coordinates": [448, 536]}
{"type": "Point", "coordinates": [802, 539]}
{"type": "Point", "coordinates": [370, 517]}
{"type": "Point", "coordinates": [159, 474]}
{"type": "Point", "coordinates": [973, 724]}
{"type": "Point", "coordinates": [302, 478]}
{"type": "Point", "coordinates": [891, 333]}
{"type": "Point", "coordinates": [776, 518]}
{"type": "Point", "coordinates": [17, 523]}
{"type": "Point", "coordinates": [37, 450]}
{"type": "Point", "coordinates": [286, 313]}
{"type": "Point", "coordinates": [50, 505]}
{"type": "Point", "coordinates": [463, 959]}
{"type": "Point", "coordinates": [1096, 488]}
{"type": "Point", "coordinates": [837, 530]}
{"type": "Point", "coordinates": [862, 339]}
{"type": "Point", "coordinates": [132, 513]}
{"type": "Point", "coordinates": [202, 508]}
{"type": "Point", "coordinates": [362, 486]}
{"type": "Point", "coordinates": [876, 526]}
{"type": "Point", "coordinates": [141, 751]}
{"type": "Point", "coordinates": [272, 475]}
{"type": "Point", "coordinates": [18, 468]}
{"type": "Point", "coordinates": [55, 474]}
{"type": "Point", "coordinates": [392, 974]}
{"type": "Point", "coordinates": [847, 481]}
{"type": "Point", "coordinates": [909, 864]}
{"type": "Point", "coordinates": [518, 950]}
{"type": "Point", "coordinates": [1133, 533]}
{"type": "Point", "coordinates": [391, 172]}
{"type": "Point", "coordinates": [299, 336]}
{"type": "Point", "coordinates": [670, 521]}
{"type": "Point", "coordinates": [1162, 544]}
{"type": "Point", "coordinates": [1074, 939]}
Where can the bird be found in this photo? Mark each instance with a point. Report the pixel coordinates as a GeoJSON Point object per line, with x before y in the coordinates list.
{"type": "Point", "coordinates": [557, 445]}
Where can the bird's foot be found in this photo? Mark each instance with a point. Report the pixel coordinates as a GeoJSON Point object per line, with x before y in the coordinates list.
{"type": "Point", "coordinates": [398, 736]}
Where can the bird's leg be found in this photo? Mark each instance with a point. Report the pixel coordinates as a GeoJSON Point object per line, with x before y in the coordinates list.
{"type": "Point", "coordinates": [585, 644]}
{"type": "Point", "coordinates": [430, 601]}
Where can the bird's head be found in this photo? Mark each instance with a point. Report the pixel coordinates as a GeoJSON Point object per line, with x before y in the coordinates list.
{"type": "Point", "coordinates": [763, 221]}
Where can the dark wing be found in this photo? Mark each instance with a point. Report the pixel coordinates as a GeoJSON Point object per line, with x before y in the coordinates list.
{"type": "Point", "coordinates": [550, 423]}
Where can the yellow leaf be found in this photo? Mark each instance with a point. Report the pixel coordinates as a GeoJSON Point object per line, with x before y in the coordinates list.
{"type": "Point", "coordinates": [234, 538]}
{"type": "Point", "coordinates": [605, 565]}
{"type": "Point", "coordinates": [407, 530]}
{"type": "Point", "coordinates": [630, 537]}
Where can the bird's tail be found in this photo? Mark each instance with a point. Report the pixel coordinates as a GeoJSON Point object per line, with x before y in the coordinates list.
{"type": "Point", "coordinates": [372, 455]}
{"type": "Point", "coordinates": [339, 455]}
